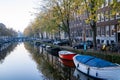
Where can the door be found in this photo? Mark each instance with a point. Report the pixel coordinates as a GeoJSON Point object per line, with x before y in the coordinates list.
{"type": "Point", "coordinates": [119, 37]}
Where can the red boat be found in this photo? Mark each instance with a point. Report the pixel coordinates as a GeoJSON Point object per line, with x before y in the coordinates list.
{"type": "Point", "coordinates": [66, 55]}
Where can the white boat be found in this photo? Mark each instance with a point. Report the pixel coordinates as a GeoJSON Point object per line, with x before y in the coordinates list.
{"type": "Point", "coordinates": [97, 67]}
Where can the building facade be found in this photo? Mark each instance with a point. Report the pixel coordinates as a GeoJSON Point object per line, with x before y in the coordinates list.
{"type": "Point", "coordinates": [108, 26]}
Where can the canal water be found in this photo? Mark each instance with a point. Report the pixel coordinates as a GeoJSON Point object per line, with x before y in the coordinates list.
{"type": "Point", "coordinates": [27, 62]}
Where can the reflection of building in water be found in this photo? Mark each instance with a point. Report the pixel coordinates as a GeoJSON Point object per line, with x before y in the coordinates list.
{"type": "Point", "coordinates": [63, 72]}
{"type": "Point", "coordinates": [50, 66]}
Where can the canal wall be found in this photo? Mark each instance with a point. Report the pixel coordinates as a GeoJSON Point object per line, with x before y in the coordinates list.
{"type": "Point", "coordinates": [106, 55]}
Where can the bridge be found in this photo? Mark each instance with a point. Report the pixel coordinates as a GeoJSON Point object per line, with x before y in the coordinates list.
{"type": "Point", "coordinates": [16, 39]}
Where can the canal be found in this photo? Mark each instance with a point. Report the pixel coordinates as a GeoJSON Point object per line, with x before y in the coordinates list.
{"type": "Point", "coordinates": [25, 61]}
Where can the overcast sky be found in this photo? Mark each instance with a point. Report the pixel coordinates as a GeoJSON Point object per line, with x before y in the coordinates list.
{"type": "Point", "coordinates": [16, 14]}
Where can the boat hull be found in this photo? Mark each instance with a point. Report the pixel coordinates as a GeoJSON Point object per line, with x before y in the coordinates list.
{"type": "Point", "coordinates": [66, 55]}
{"type": "Point", "coordinates": [101, 73]}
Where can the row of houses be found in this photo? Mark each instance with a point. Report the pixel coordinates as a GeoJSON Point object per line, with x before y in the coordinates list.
{"type": "Point", "coordinates": [108, 26]}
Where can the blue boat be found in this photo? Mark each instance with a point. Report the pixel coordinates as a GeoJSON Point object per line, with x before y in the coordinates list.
{"type": "Point", "coordinates": [97, 67]}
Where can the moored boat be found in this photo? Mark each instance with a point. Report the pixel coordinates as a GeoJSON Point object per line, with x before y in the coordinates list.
{"type": "Point", "coordinates": [66, 55]}
{"type": "Point", "coordinates": [97, 67]}
{"type": "Point", "coordinates": [53, 50]}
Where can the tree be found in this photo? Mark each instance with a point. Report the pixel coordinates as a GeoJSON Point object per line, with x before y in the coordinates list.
{"type": "Point", "coordinates": [63, 13]}
{"type": "Point", "coordinates": [6, 31]}
{"type": "Point", "coordinates": [28, 31]}
{"type": "Point", "coordinates": [90, 8]}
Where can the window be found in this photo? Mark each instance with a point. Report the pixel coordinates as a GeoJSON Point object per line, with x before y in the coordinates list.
{"type": "Point", "coordinates": [107, 30]}
{"type": "Point", "coordinates": [112, 30]}
{"type": "Point", "coordinates": [102, 17]}
{"type": "Point", "coordinates": [106, 15]}
{"type": "Point", "coordinates": [103, 30]}
{"type": "Point", "coordinates": [106, 2]}
{"type": "Point", "coordinates": [111, 15]}
{"type": "Point", "coordinates": [98, 31]}
{"type": "Point", "coordinates": [118, 15]}
{"type": "Point", "coordinates": [99, 17]}
{"type": "Point", "coordinates": [118, 27]}
{"type": "Point", "coordinates": [98, 41]}
{"type": "Point", "coordinates": [112, 41]}
{"type": "Point", "coordinates": [107, 42]}
{"type": "Point", "coordinates": [102, 41]}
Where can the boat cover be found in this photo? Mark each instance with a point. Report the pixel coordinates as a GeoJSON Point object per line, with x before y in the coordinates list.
{"type": "Point", "coordinates": [94, 62]}
{"type": "Point", "coordinates": [84, 58]}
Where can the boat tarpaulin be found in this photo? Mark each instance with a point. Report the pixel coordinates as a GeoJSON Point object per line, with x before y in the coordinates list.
{"type": "Point", "coordinates": [84, 58]}
{"type": "Point", "coordinates": [94, 62]}
{"type": "Point", "coordinates": [97, 62]}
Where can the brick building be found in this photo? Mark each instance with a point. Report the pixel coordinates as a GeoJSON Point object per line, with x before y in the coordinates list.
{"type": "Point", "coordinates": [108, 27]}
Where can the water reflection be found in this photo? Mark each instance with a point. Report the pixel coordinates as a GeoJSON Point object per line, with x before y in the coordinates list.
{"type": "Point", "coordinates": [18, 65]}
{"type": "Point", "coordinates": [28, 62]}
{"type": "Point", "coordinates": [52, 67]}
{"type": "Point", "coordinates": [6, 50]}
{"type": "Point", "coordinates": [80, 76]}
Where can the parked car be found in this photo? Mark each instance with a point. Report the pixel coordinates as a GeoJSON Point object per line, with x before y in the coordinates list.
{"type": "Point", "coordinates": [56, 42]}
{"type": "Point", "coordinates": [89, 44]}
{"type": "Point", "coordinates": [65, 42]}
{"type": "Point", "coordinates": [47, 40]}
{"type": "Point", "coordinates": [79, 46]}
{"type": "Point", "coordinates": [114, 47]}
{"type": "Point", "coordinates": [61, 42]}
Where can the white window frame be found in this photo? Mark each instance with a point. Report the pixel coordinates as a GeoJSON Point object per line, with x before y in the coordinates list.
{"type": "Point", "coordinates": [118, 15]}
{"type": "Point", "coordinates": [99, 17]}
{"type": "Point", "coordinates": [103, 31]}
{"type": "Point", "coordinates": [102, 17]}
{"type": "Point", "coordinates": [106, 2]}
{"type": "Point", "coordinates": [106, 15]}
{"type": "Point", "coordinates": [98, 31]}
{"type": "Point", "coordinates": [112, 28]}
{"type": "Point", "coordinates": [107, 30]}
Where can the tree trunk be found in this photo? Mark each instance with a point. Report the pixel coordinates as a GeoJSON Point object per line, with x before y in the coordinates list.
{"type": "Point", "coordinates": [94, 35]}
{"type": "Point", "coordinates": [70, 40]}
{"type": "Point", "coordinates": [68, 32]}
